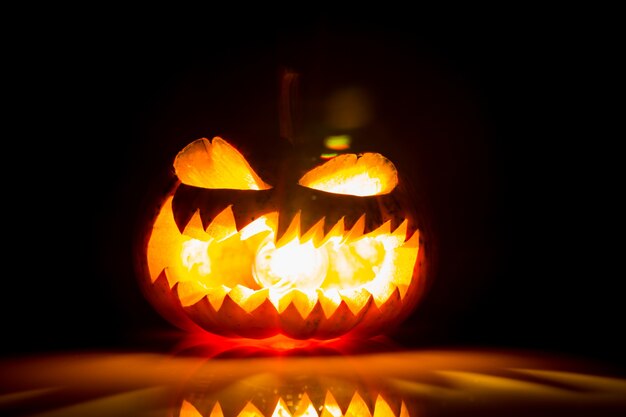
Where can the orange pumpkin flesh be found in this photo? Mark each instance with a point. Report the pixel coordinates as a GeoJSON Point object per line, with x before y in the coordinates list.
{"type": "Point", "coordinates": [282, 272]}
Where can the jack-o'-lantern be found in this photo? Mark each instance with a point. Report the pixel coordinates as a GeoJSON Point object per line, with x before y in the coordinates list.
{"type": "Point", "coordinates": [335, 251]}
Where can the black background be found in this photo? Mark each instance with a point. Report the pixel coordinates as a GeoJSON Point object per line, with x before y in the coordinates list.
{"type": "Point", "coordinates": [500, 123]}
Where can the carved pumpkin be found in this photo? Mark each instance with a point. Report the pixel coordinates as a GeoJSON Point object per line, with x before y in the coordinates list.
{"type": "Point", "coordinates": [331, 252]}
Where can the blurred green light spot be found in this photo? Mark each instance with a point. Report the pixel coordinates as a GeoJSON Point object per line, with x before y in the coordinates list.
{"type": "Point", "coordinates": [338, 142]}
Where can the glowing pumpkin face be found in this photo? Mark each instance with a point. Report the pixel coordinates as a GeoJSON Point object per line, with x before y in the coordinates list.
{"type": "Point", "coordinates": [336, 252]}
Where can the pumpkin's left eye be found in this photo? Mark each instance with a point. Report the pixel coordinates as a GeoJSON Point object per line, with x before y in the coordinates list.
{"type": "Point", "coordinates": [216, 165]}
{"type": "Point", "coordinates": [361, 175]}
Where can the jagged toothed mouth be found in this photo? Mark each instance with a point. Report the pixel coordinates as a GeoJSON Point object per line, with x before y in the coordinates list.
{"type": "Point", "coordinates": [304, 406]}
{"type": "Point", "coordinates": [303, 268]}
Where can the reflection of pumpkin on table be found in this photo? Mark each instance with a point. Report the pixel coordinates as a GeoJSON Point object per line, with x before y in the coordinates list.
{"type": "Point", "coordinates": [340, 253]}
{"type": "Point", "coordinates": [286, 395]}
{"type": "Point", "coordinates": [409, 383]}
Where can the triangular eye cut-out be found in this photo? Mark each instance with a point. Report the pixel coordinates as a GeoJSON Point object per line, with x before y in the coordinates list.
{"type": "Point", "coordinates": [361, 175]}
{"type": "Point", "coordinates": [216, 165]}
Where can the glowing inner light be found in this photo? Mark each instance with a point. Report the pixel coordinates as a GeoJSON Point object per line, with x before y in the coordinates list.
{"type": "Point", "coordinates": [195, 253]}
{"type": "Point", "coordinates": [294, 265]}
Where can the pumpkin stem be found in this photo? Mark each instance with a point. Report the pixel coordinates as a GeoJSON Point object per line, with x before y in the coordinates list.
{"type": "Point", "coordinates": [288, 104]}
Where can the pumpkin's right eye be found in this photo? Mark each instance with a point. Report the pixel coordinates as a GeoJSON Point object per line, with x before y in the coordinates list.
{"type": "Point", "coordinates": [361, 175]}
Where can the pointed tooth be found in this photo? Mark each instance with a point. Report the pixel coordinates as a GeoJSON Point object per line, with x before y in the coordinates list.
{"type": "Point", "coordinates": [316, 233]}
{"type": "Point", "coordinates": [194, 228]}
{"type": "Point", "coordinates": [239, 293]}
{"type": "Point", "coordinates": [331, 407]}
{"type": "Point", "coordinates": [351, 217]}
{"type": "Point", "coordinates": [295, 325]}
{"type": "Point", "coordinates": [250, 410]}
{"type": "Point", "coordinates": [188, 410]}
{"type": "Point", "coordinates": [403, 411]}
{"type": "Point", "coordinates": [413, 241]}
{"type": "Point", "coordinates": [263, 224]}
{"type": "Point", "coordinates": [165, 235]}
{"type": "Point", "coordinates": [402, 290]}
{"type": "Point", "coordinates": [190, 292]}
{"type": "Point", "coordinates": [332, 218]}
{"type": "Point", "coordinates": [286, 222]}
{"type": "Point", "coordinates": [376, 318]}
{"type": "Point", "coordinates": [404, 263]}
{"type": "Point", "coordinates": [355, 298]}
{"type": "Point", "coordinates": [397, 222]}
{"type": "Point", "coordinates": [217, 411]}
{"type": "Point", "coordinates": [263, 228]}
{"type": "Point", "coordinates": [292, 232]}
{"type": "Point", "coordinates": [275, 296]}
{"type": "Point", "coordinates": [382, 409]}
{"type": "Point", "coordinates": [305, 408]}
{"type": "Point", "coordinates": [244, 215]}
{"type": "Point", "coordinates": [281, 409]}
{"type": "Point", "coordinates": [281, 300]}
{"type": "Point", "coordinates": [256, 299]}
{"type": "Point", "coordinates": [358, 407]}
{"type": "Point", "coordinates": [233, 320]}
{"type": "Point", "coordinates": [171, 278]}
{"type": "Point", "coordinates": [357, 230]}
{"type": "Point", "coordinates": [401, 230]}
{"type": "Point", "coordinates": [329, 300]}
{"type": "Point", "coordinates": [247, 298]}
{"type": "Point", "coordinates": [303, 301]}
{"type": "Point", "coordinates": [383, 229]}
{"type": "Point", "coordinates": [223, 225]}
{"type": "Point", "coordinates": [380, 291]}
{"type": "Point", "coordinates": [216, 296]}
{"type": "Point", "coordinates": [338, 230]}
{"type": "Point", "coordinates": [390, 403]}
{"type": "Point", "coordinates": [309, 219]}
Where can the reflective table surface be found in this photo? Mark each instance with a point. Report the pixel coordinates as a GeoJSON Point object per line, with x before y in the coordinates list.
{"type": "Point", "coordinates": [326, 381]}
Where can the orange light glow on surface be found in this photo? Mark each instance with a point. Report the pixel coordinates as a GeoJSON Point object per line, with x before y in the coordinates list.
{"type": "Point", "coordinates": [304, 270]}
{"type": "Point", "coordinates": [455, 382]}
{"type": "Point", "coordinates": [361, 175]}
{"type": "Point", "coordinates": [210, 345]}
{"type": "Point", "coordinates": [215, 165]}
